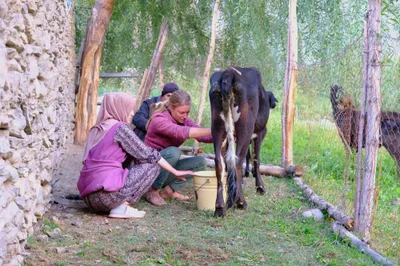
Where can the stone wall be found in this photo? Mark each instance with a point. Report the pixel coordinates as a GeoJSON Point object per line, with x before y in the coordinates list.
{"type": "Point", "coordinates": [37, 65]}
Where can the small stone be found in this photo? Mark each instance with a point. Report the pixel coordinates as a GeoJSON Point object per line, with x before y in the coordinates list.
{"type": "Point", "coordinates": [67, 236]}
{"type": "Point", "coordinates": [55, 219]}
{"type": "Point", "coordinates": [42, 238]}
{"type": "Point", "coordinates": [60, 250]}
{"type": "Point", "coordinates": [395, 202]}
{"type": "Point", "coordinates": [77, 223]}
{"type": "Point", "coordinates": [56, 233]}
{"type": "Point", "coordinates": [106, 221]}
{"type": "Point", "coordinates": [316, 213]}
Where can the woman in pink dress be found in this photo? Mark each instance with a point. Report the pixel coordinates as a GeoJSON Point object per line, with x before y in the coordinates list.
{"type": "Point", "coordinates": [104, 184]}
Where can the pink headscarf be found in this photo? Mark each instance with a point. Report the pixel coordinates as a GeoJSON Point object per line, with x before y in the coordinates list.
{"type": "Point", "coordinates": [116, 107]}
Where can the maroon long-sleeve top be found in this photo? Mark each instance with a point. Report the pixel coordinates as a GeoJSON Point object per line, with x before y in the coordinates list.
{"type": "Point", "coordinates": [163, 131]}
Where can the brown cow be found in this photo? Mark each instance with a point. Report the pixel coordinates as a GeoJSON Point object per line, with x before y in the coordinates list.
{"type": "Point", "coordinates": [240, 108]}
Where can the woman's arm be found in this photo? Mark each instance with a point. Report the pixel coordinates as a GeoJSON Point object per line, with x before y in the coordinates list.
{"type": "Point", "coordinates": [195, 132]}
{"type": "Point", "coordinates": [131, 144]}
{"type": "Point", "coordinates": [179, 174]}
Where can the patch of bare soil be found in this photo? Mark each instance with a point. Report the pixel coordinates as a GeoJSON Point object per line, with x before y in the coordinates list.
{"type": "Point", "coordinates": [67, 178]}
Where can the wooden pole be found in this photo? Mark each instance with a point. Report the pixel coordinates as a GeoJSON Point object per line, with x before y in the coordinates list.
{"type": "Point", "coordinates": [355, 241]}
{"type": "Point", "coordinates": [206, 74]}
{"type": "Point", "coordinates": [95, 34]}
{"type": "Point", "coordinates": [290, 88]}
{"type": "Point", "coordinates": [79, 66]}
{"type": "Point", "coordinates": [373, 119]}
{"type": "Point", "coordinates": [361, 127]}
{"type": "Point", "coordinates": [119, 75]}
{"type": "Point", "coordinates": [148, 78]}
{"type": "Point", "coordinates": [161, 73]}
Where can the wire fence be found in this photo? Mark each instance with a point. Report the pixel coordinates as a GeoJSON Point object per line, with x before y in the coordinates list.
{"type": "Point", "coordinates": [329, 96]}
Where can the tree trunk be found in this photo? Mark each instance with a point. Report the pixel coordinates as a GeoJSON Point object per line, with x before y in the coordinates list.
{"type": "Point", "coordinates": [206, 74]}
{"type": "Point", "coordinates": [95, 34]}
{"type": "Point", "coordinates": [361, 128]}
{"type": "Point", "coordinates": [289, 88]}
{"type": "Point", "coordinates": [373, 119]}
{"type": "Point", "coordinates": [148, 78]}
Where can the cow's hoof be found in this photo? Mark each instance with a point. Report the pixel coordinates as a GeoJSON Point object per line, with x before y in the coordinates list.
{"type": "Point", "coordinates": [261, 190]}
{"type": "Point", "coordinates": [241, 205]}
{"type": "Point", "coordinates": [220, 212]}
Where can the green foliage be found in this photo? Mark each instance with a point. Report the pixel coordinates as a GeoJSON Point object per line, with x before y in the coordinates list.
{"type": "Point", "coordinates": [49, 226]}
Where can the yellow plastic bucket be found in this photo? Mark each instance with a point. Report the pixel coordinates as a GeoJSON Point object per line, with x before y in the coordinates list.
{"type": "Point", "coordinates": [205, 187]}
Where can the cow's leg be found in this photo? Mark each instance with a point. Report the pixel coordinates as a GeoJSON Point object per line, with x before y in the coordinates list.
{"type": "Point", "coordinates": [241, 151]}
{"type": "Point", "coordinates": [218, 138]}
{"type": "Point", "coordinates": [256, 164]}
{"type": "Point", "coordinates": [247, 169]}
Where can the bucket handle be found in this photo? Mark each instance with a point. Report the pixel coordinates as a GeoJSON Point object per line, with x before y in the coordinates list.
{"type": "Point", "coordinates": [195, 192]}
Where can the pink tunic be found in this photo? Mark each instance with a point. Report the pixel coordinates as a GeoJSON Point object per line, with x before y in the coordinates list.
{"type": "Point", "coordinates": [103, 169]}
{"type": "Point", "coordinates": [164, 131]}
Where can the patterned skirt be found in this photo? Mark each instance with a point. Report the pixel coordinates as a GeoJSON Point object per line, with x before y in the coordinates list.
{"type": "Point", "coordinates": [138, 181]}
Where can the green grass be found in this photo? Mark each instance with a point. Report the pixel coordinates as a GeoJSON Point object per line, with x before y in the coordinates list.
{"type": "Point", "coordinates": [271, 232]}
{"type": "Point", "coordinates": [318, 148]}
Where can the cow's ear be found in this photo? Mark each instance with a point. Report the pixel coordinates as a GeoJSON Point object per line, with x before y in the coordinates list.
{"type": "Point", "coordinates": [272, 100]}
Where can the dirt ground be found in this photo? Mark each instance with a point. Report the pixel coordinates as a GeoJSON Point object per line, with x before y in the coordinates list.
{"type": "Point", "coordinates": [64, 231]}
{"type": "Point", "coordinates": [67, 178]}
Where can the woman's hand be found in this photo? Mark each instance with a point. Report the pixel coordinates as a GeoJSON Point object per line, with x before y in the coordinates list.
{"type": "Point", "coordinates": [180, 174]}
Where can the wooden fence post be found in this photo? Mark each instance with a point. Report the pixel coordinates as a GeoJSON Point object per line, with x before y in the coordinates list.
{"type": "Point", "coordinates": [150, 73]}
{"type": "Point", "coordinates": [367, 188]}
{"type": "Point", "coordinates": [289, 88]}
{"type": "Point", "coordinates": [95, 34]}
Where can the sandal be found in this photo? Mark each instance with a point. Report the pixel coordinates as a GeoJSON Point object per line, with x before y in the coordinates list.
{"type": "Point", "coordinates": [128, 213]}
{"type": "Point", "coordinates": [154, 198]}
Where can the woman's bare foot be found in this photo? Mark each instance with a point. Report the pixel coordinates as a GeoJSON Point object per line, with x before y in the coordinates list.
{"type": "Point", "coordinates": [179, 196]}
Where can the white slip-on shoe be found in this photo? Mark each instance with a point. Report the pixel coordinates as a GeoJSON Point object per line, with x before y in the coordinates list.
{"type": "Point", "coordinates": [128, 213]}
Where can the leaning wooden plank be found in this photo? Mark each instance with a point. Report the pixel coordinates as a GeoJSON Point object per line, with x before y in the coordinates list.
{"type": "Point", "coordinates": [322, 204]}
{"type": "Point", "coordinates": [355, 241]}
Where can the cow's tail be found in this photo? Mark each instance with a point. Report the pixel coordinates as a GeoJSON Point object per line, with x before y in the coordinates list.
{"type": "Point", "coordinates": [230, 158]}
{"type": "Point", "coordinates": [230, 155]}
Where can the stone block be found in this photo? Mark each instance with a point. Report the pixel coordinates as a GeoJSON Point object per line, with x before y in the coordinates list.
{"type": "Point", "coordinates": [17, 123]}
{"type": "Point", "coordinates": [15, 42]}
{"type": "Point", "coordinates": [32, 7]}
{"type": "Point", "coordinates": [13, 65]}
{"type": "Point", "coordinates": [5, 198]}
{"type": "Point", "coordinates": [33, 50]}
{"type": "Point", "coordinates": [3, 245]}
{"type": "Point", "coordinates": [33, 68]}
{"type": "Point", "coordinates": [3, 67]}
{"type": "Point", "coordinates": [9, 212]}
{"type": "Point", "coordinates": [3, 9]}
{"type": "Point", "coordinates": [17, 21]}
{"type": "Point", "coordinates": [4, 141]}
{"type": "Point", "coordinates": [40, 89]}
{"type": "Point", "coordinates": [11, 173]}
{"type": "Point", "coordinates": [14, 249]}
